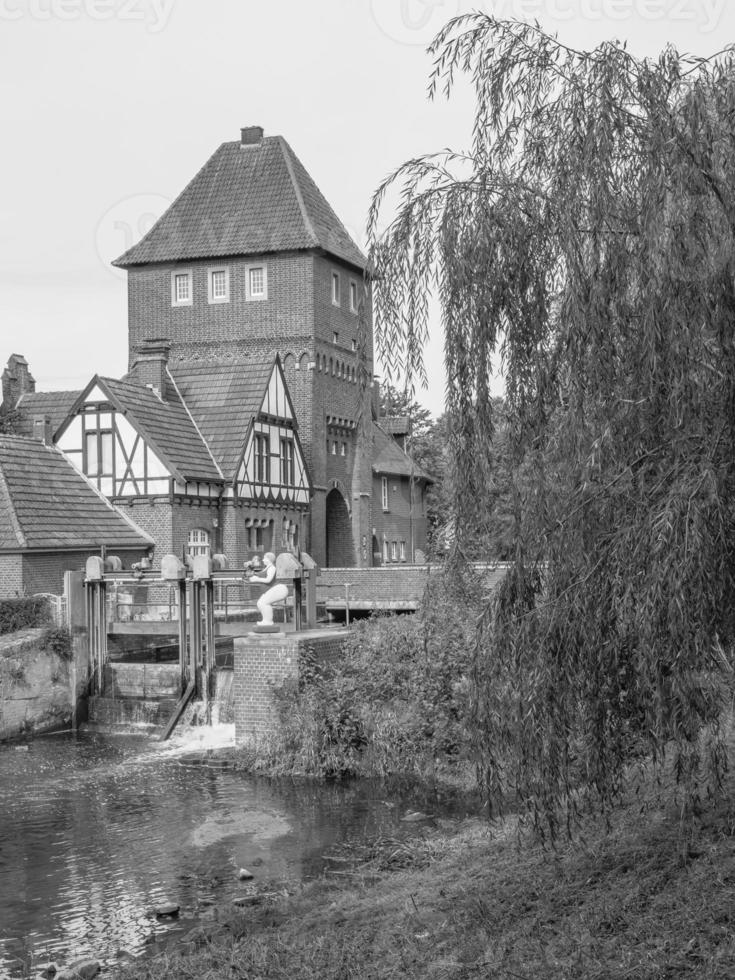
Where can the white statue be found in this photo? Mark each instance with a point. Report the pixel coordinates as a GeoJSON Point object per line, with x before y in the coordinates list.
{"type": "Point", "coordinates": [276, 593]}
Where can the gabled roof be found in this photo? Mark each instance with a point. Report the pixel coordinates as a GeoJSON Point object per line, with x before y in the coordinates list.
{"type": "Point", "coordinates": [389, 458]}
{"type": "Point", "coordinates": [223, 399]}
{"type": "Point", "coordinates": [56, 405]}
{"type": "Point", "coordinates": [45, 503]}
{"type": "Point", "coordinates": [246, 200]}
{"type": "Point", "coordinates": [165, 425]}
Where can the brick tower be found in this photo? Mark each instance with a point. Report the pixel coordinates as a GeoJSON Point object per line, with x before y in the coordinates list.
{"type": "Point", "coordinates": [251, 261]}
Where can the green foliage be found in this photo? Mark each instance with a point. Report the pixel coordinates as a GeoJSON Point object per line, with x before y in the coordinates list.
{"type": "Point", "coordinates": [587, 237]}
{"type": "Point", "coordinates": [57, 639]}
{"type": "Point", "coordinates": [23, 613]}
{"type": "Point", "coordinates": [397, 699]}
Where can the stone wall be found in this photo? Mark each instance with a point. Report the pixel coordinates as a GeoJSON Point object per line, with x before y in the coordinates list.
{"type": "Point", "coordinates": [36, 684]}
{"type": "Point", "coordinates": [263, 663]}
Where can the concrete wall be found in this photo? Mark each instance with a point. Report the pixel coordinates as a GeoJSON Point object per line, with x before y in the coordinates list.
{"type": "Point", "coordinates": [266, 662]}
{"type": "Point", "coordinates": [36, 685]}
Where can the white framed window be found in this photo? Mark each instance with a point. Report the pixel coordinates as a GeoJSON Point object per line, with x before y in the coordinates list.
{"type": "Point", "coordinates": [384, 491]}
{"type": "Point", "coordinates": [343, 449]}
{"type": "Point", "coordinates": [182, 287]}
{"type": "Point", "coordinates": [335, 337]}
{"type": "Point", "coordinates": [218, 285]}
{"type": "Point", "coordinates": [354, 345]}
{"type": "Point", "coordinates": [394, 551]}
{"type": "Point", "coordinates": [386, 550]}
{"type": "Point", "coordinates": [262, 458]}
{"type": "Point", "coordinates": [353, 296]}
{"type": "Point", "coordinates": [256, 282]}
{"type": "Point", "coordinates": [335, 288]}
{"type": "Point", "coordinates": [402, 551]}
{"type": "Point", "coordinates": [334, 448]}
{"type": "Point", "coordinates": [287, 462]}
{"type": "Point", "coordinates": [198, 542]}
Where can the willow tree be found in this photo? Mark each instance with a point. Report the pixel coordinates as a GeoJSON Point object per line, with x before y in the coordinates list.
{"type": "Point", "coordinates": [586, 239]}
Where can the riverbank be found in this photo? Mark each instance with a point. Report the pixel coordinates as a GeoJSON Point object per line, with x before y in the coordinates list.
{"type": "Point", "coordinates": [642, 899]}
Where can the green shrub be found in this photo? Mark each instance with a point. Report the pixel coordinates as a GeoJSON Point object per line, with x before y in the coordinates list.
{"type": "Point", "coordinates": [57, 639]}
{"type": "Point", "coordinates": [23, 613]}
{"type": "Point", "coordinates": [397, 701]}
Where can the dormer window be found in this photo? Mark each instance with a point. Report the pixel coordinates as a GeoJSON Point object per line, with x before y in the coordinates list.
{"type": "Point", "coordinates": [335, 288]}
{"type": "Point", "coordinates": [353, 296]}
{"type": "Point", "coordinates": [256, 283]}
{"type": "Point", "coordinates": [218, 288]}
{"type": "Point", "coordinates": [181, 288]}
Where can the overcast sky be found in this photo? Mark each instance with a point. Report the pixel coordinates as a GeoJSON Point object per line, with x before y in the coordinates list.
{"type": "Point", "coordinates": [109, 107]}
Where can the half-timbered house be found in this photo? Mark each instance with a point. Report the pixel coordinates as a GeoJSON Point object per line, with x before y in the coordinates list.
{"type": "Point", "coordinates": [243, 423]}
{"type": "Point", "coordinates": [206, 460]}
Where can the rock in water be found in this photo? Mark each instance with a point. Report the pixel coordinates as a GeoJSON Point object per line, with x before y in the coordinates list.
{"type": "Point", "coordinates": [167, 911]}
{"type": "Point", "coordinates": [415, 816]}
{"type": "Point", "coordinates": [80, 970]}
{"type": "Point", "coordinates": [244, 875]}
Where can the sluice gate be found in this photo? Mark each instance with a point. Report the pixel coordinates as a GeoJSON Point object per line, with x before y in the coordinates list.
{"type": "Point", "coordinates": [163, 636]}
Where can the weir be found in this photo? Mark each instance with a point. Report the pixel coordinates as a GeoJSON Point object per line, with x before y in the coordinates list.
{"type": "Point", "coordinates": [161, 642]}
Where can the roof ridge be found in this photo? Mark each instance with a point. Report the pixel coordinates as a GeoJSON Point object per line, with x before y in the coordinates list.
{"type": "Point", "coordinates": [193, 422]}
{"type": "Point", "coordinates": [287, 151]}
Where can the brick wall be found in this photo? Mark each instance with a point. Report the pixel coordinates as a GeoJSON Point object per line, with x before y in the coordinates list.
{"type": "Point", "coordinates": [398, 523]}
{"type": "Point", "coordinates": [390, 584]}
{"type": "Point", "coordinates": [264, 663]}
{"type": "Point", "coordinates": [44, 572]}
{"type": "Point", "coordinates": [314, 338]}
{"type": "Point", "coordinates": [155, 518]}
{"type": "Point", "coordinates": [403, 583]}
{"type": "Point", "coordinates": [11, 576]}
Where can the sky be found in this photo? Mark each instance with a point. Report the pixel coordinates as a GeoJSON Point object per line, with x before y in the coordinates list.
{"type": "Point", "coordinates": [109, 107]}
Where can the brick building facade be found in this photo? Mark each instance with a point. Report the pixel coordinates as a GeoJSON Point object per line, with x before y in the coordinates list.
{"type": "Point", "coordinates": [245, 422]}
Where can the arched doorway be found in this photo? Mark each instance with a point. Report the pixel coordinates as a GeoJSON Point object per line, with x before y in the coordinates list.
{"type": "Point", "coordinates": [340, 553]}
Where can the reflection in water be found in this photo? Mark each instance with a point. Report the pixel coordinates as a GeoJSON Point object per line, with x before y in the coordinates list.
{"type": "Point", "coordinates": [96, 831]}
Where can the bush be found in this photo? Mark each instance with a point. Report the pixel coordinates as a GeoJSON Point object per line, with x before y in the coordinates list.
{"type": "Point", "coordinates": [23, 613]}
{"type": "Point", "coordinates": [57, 639]}
{"type": "Point", "coordinates": [396, 702]}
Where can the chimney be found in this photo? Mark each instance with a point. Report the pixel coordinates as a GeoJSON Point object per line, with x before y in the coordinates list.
{"type": "Point", "coordinates": [17, 380]}
{"type": "Point", "coordinates": [151, 361]}
{"type": "Point", "coordinates": [251, 135]}
{"type": "Point", "coordinates": [42, 429]}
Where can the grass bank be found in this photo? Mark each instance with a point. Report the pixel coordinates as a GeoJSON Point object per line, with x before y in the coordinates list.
{"type": "Point", "coordinates": [642, 899]}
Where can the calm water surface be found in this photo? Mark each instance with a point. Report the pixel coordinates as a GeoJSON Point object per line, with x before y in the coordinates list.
{"type": "Point", "coordinates": [96, 831]}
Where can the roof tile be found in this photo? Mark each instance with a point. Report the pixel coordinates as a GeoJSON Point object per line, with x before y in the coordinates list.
{"type": "Point", "coordinates": [246, 201]}
{"type": "Point", "coordinates": [46, 503]}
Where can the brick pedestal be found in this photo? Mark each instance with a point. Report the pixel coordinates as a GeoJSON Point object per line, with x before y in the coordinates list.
{"type": "Point", "coordinates": [265, 662]}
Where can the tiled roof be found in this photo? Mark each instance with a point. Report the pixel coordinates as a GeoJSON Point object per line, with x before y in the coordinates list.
{"type": "Point", "coordinates": [167, 428]}
{"type": "Point", "coordinates": [46, 504]}
{"type": "Point", "coordinates": [246, 200]}
{"type": "Point", "coordinates": [222, 399]}
{"type": "Point", "coordinates": [54, 404]}
{"type": "Point", "coordinates": [388, 457]}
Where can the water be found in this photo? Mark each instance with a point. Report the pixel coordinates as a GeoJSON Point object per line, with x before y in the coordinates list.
{"type": "Point", "coordinates": [97, 831]}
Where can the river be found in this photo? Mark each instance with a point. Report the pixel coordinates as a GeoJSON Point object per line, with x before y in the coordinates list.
{"type": "Point", "coordinates": [98, 831]}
